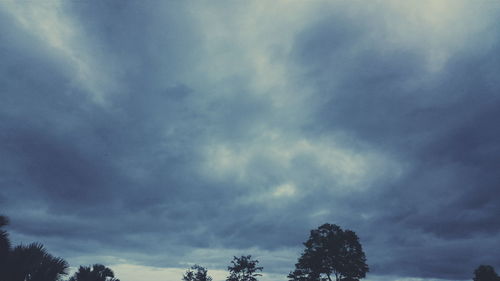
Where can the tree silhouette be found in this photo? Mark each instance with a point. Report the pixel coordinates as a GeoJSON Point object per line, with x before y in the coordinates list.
{"type": "Point", "coordinates": [4, 237]}
{"type": "Point", "coordinates": [331, 252]}
{"type": "Point", "coordinates": [243, 269]}
{"type": "Point", "coordinates": [196, 273]}
{"type": "Point", "coordinates": [4, 246]}
{"type": "Point", "coordinates": [97, 272]}
{"type": "Point", "coordinates": [485, 273]}
{"type": "Point", "coordinates": [33, 263]}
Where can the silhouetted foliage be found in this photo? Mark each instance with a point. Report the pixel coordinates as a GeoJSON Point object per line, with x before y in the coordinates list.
{"type": "Point", "coordinates": [331, 251]}
{"type": "Point", "coordinates": [4, 237]}
{"type": "Point", "coordinates": [485, 273]}
{"type": "Point", "coordinates": [4, 246]}
{"type": "Point", "coordinates": [243, 269]}
{"type": "Point", "coordinates": [97, 272]}
{"type": "Point", "coordinates": [33, 263]}
{"type": "Point", "coordinates": [196, 273]}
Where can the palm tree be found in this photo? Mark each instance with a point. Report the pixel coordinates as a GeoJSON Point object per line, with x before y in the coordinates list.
{"type": "Point", "coordinates": [33, 263]}
{"type": "Point", "coordinates": [98, 272]}
{"type": "Point", "coordinates": [4, 237]}
{"type": "Point", "coordinates": [4, 247]}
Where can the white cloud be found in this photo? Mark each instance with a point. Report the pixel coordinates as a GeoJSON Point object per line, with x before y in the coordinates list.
{"type": "Point", "coordinates": [285, 190]}
{"type": "Point", "coordinates": [52, 26]}
{"type": "Point", "coordinates": [439, 28]}
{"type": "Point", "coordinates": [341, 167]}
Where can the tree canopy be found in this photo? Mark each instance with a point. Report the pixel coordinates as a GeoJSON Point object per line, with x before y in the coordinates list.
{"type": "Point", "coordinates": [196, 273]}
{"type": "Point", "coordinates": [331, 252]}
{"type": "Point", "coordinates": [244, 269]}
{"type": "Point", "coordinates": [485, 273]}
{"type": "Point", "coordinates": [97, 272]}
{"type": "Point", "coordinates": [4, 245]}
{"type": "Point", "coordinates": [33, 263]}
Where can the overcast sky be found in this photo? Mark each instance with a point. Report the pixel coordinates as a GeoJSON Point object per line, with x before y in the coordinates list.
{"type": "Point", "coordinates": [152, 135]}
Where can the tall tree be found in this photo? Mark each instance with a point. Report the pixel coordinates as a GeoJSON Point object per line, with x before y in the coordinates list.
{"type": "Point", "coordinates": [196, 273]}
{"type": "Point", "coordinates": [97, 272]}
{"type": "Point", "coordinates": [485, 273]}
{"type": "Point", "coordinates": [244, 269]}
{"type": "Point", "coordinates": [4, 237]}
{"type": "Point", "coordinates": [331, 252]}
{"type": "Point", "coordinates": [34, 263]}
{"type": "Point", "coordinates": [4, 246]}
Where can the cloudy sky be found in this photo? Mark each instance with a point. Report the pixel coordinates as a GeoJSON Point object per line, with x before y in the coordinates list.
{"type": "Point", "coordinates": [152, 135]}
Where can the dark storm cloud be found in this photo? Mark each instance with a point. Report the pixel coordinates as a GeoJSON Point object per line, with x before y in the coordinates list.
{"type": "Point", "coordinates": [119, 177]}
{"type": "Point", "coordinates": [75, 160]}
{"type": "Point", "coordinates": [149, 132]}
{"type": "Point", "coordinates": [443, 211]}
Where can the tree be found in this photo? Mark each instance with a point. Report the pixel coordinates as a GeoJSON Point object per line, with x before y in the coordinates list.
{"type": "Point", "coordinates": [485, 273]}
{"type": "Point", "coordinates": [243, 269]}
{"type": "Point", "coordinates": [331, 252]}
{"type": "Point", "coordinates": [196, 273]}
{"type": "Point", "coordinates": [33, 263]}
{"type": "Point", "coordinates": [4, 246]}
{"type": "Point", "coordinates": [4, 237]}
{"type": "Point", "coordinates": [97, 272]}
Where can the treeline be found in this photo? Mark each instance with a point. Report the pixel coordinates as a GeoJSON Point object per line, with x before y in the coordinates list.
{"type": "Point", "coordinates": [330, 253]}
{"type": "Point", "coordinates": [241, 269]}
{"type": "Point", "coordinates": [32, 262]}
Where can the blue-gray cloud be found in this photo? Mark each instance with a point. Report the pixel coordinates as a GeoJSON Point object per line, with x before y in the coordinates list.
{"type": "Point", "coordinates": [169, 133]}
{"type": "Point", "coordinates": [441, 124]}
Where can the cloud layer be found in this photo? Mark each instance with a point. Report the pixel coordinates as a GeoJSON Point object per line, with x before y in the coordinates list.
{"type": "Point", "coordinates": [166, 134]}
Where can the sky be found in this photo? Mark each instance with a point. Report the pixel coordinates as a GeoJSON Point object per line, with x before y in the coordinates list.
{"type": "Point", "coordinates": [153, 135]}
